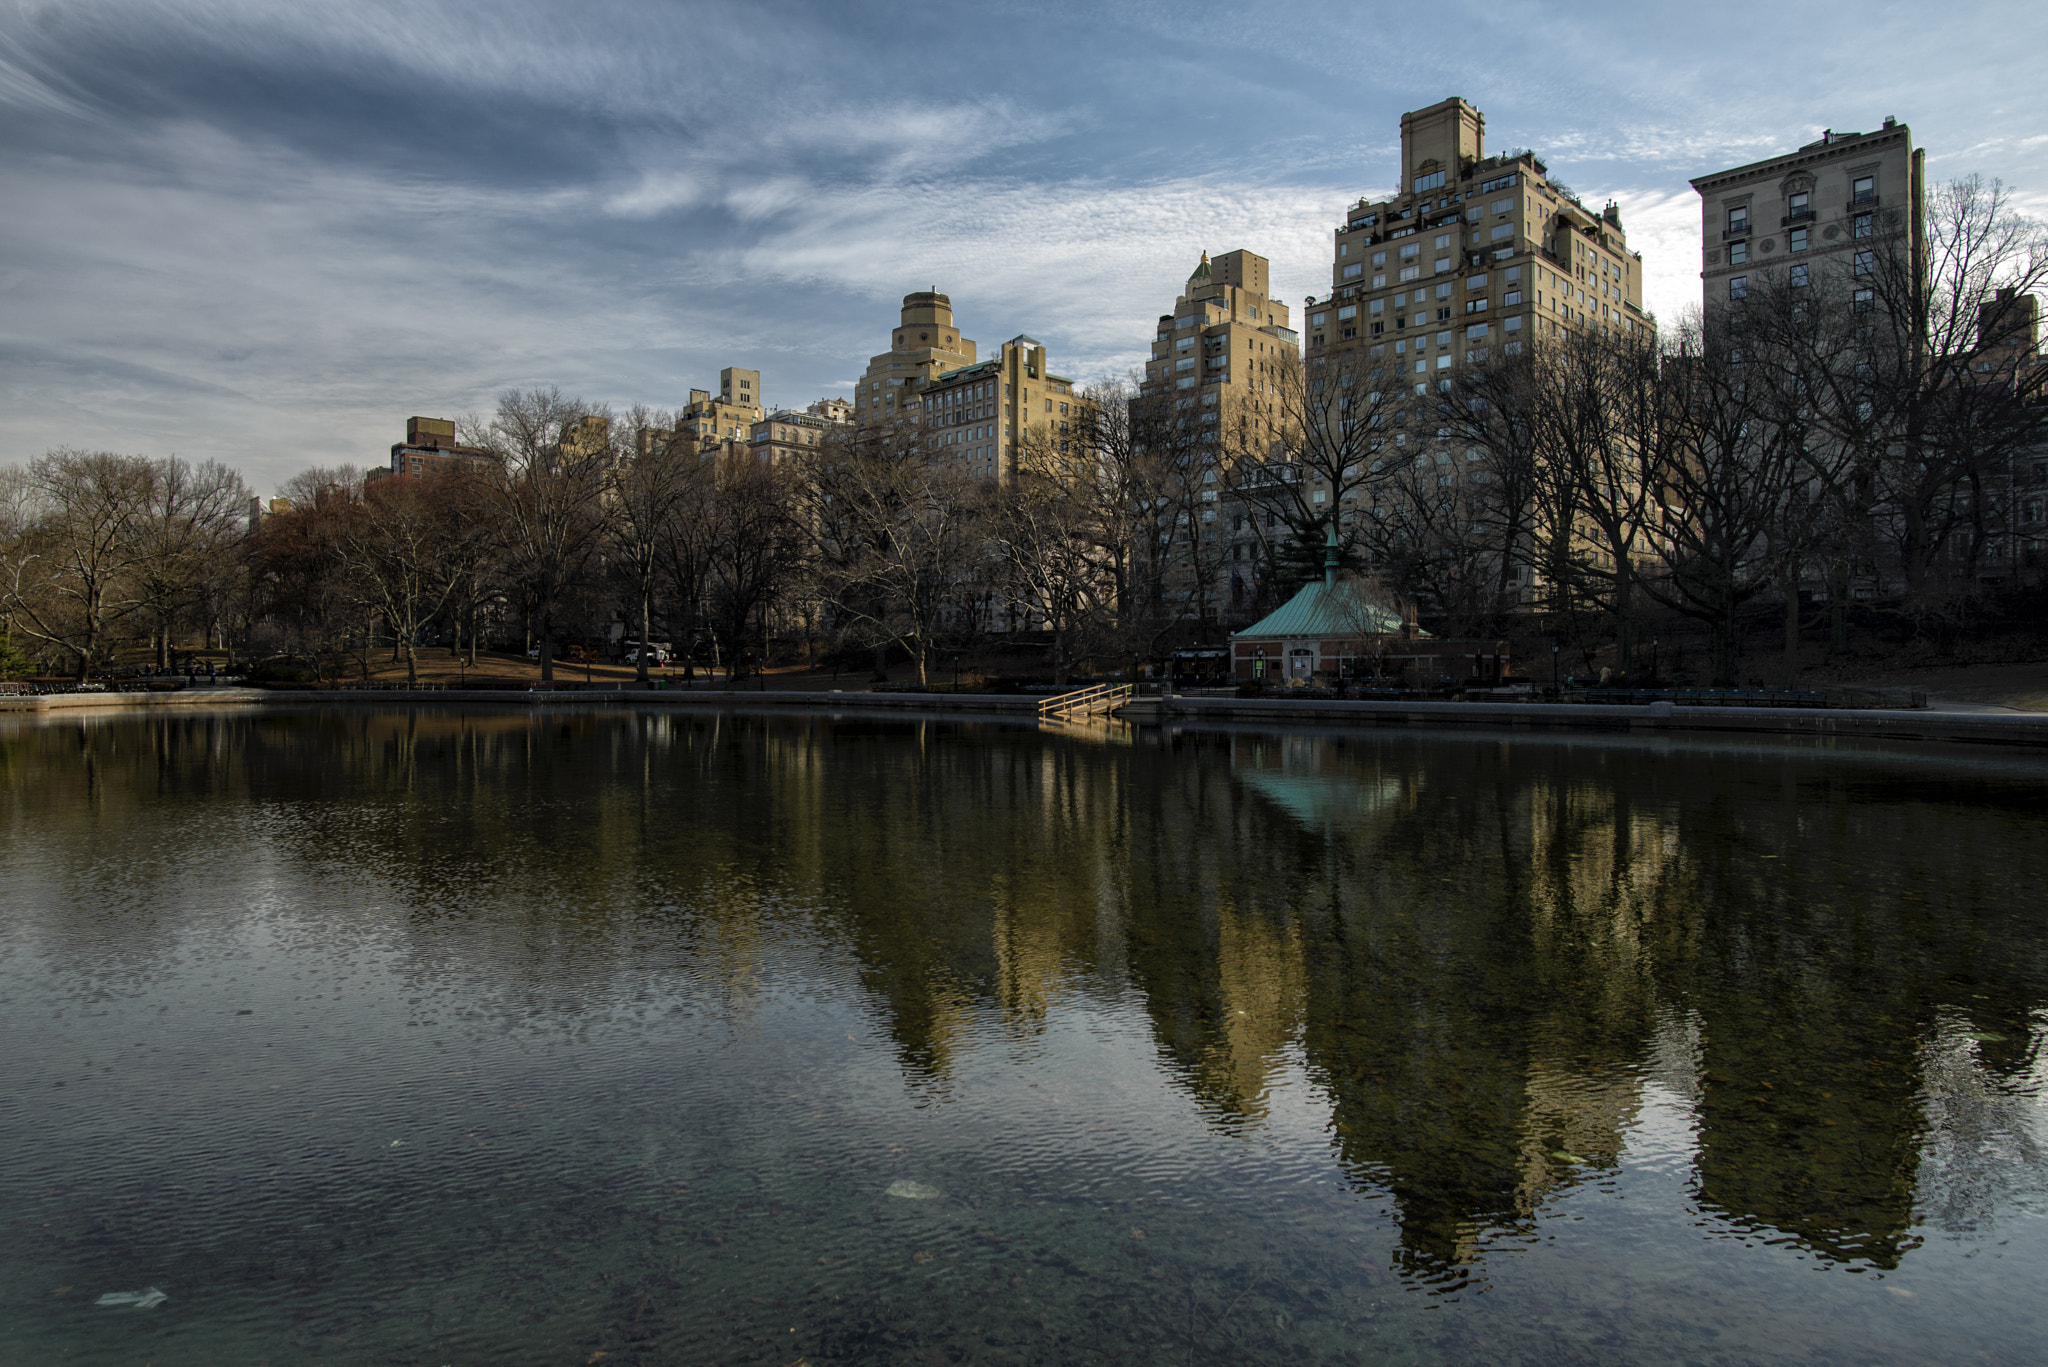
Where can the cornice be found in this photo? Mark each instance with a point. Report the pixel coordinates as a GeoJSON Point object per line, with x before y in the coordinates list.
{"type": "Point", "coordinates": [1811, 156]}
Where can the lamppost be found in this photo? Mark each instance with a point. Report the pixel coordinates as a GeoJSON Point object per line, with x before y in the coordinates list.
{"type": "Point", "coordinates": [1654, 677]}
{"type": "Point", "coordinates": [1553, 670]}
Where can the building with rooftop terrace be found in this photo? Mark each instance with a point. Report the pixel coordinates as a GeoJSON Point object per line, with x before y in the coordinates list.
{"type": "Point", "coordinates": [1471, 252]}
{"type": "Point", "coordinates": [988, 416]}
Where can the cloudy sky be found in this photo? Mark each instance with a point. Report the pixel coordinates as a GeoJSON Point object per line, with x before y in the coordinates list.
{"type": "Point", "coordinates": [267, 231]}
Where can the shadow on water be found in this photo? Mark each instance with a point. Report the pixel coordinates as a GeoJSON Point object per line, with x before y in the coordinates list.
{"type": "Point", "coordinates": [1453, 986]}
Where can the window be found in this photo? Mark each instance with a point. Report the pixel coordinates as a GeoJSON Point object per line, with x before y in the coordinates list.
{"type": "Point", "coordinates": [1798, 204]}
{"type": "Point", "coordinates": [1379, 282]}
{"type": "Point", "coordinates": [1476, 282]}
{"type": "Point", "coordinates": [1379, 258]}
{"type": "Point", "coordinates": [1443, 265]}
{"type": "Point", "coordinates": [1377, 306]}
{"type": "Point", "coordinates": [1429, 182]}
{"type": "Point", "coordinates": [1503, 230]}
{"type": "Point", "coordinates": [1866, 263]}
{"type": "Point", "coordinates": [1475, 305]}
{"type": "Point", "coordinates": [1502, 206]}
{"type": "Point", "coordinates": [1348, 311]}
{"type": "Point", "coordinates": [1738, 287]}
{"type": "Point", "coordinates": [1410, 250]}
{"type": "Point", "coordinates": [1863, 190]}
{"type": "Point", "coordinates": [1316, 320]}
{"type": "Point", "coordinates": [1865, 225]}
{"type": "Point", "coordinates": [1476, 330]}
{"type": "Point", "coordinates": [1738, 253]}
{"type": "Point", "coordinates": [1443, 240]}
{"type": "Point", "coordinates": [1353, 271]}
{"type": "Point", "coordinates": [1864, 300]}
{"type": "Point", "coordinates": [1799, 280]}
{"type": "Point", "coordinates": [1443, 363]}
{"type": "Point", "coordinates": [1513, 324]}
{"type": "Point", "coordinates": [1738, 219]}
{"type": "Point", "coordinates": [1411, 272]}
{"type": "Point", "coordinates": [1510, 299]}
{"type": "Point", "coordinates": [1797, 241]}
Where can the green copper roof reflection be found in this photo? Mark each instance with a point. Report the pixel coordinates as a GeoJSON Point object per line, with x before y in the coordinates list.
{"type": "Point", "coordinates": [1325, 610]}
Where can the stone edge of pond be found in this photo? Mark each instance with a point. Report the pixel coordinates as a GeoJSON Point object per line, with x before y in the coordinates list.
{"type": "Point", "coordinates": [1647, 719]}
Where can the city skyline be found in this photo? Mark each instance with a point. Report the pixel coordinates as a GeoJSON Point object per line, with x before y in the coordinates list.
{"type": "Point", "coordinates": [265, 236]}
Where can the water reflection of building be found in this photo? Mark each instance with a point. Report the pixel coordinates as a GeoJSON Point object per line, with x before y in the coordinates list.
{"type": "Point", "coordinates": [1487, 954]}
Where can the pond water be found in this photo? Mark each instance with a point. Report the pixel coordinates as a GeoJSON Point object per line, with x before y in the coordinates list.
{"type": "Point", "coordinates": [457, 1036]}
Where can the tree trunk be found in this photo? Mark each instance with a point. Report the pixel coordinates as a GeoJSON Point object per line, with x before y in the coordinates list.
{"type": "Point", "coordinates": [646, 630]}
{"type": "Point", "coordinates": [412, 671]}
{"type": "Point", "coordinates": [547, 647]}
{"type": "Point", "coordinates": [1724, 650]}
{"type": "Point", "coordinates": [1792, 628]}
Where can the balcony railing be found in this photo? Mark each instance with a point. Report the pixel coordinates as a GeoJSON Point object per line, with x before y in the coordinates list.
{"type": "Point", "coordinates": [1796, 216]}
{"type": "Point", "coordinates": [1742, 231]}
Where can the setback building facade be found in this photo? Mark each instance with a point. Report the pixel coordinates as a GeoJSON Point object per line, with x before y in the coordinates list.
{"type": "Point", "coordinates": [1223, 351]}
{"type": "Point", "coordinates": [1471, 252]}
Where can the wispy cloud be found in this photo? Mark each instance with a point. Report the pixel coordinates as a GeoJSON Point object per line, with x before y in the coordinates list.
{"type": "Point", "coordinates": [267, 231]}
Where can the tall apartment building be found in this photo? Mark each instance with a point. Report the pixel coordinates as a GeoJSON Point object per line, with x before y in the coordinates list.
{"type": "Point", "coordinates": [1471, 252]}
{"type": "Point", "coordinates": [1223, 349]}
{"type": "Point", "coordinates": [924, 344]}
{"type": "Point", "coordinates": [430, 448]}
{"type": "Point", "coordinates": [1815, 213]}
{"type": "Point", "coordinates": [723, 424]}
{"type": "Point", "coordinates": [986, 416]}
{"type": "Point", "coordinates": [785, 433]}
{"type": "Point", "coordinates": [931, 388]}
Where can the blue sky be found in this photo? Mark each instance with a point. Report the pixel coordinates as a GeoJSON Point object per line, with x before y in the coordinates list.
{"type": "Point", "coordinates": [266, 232]}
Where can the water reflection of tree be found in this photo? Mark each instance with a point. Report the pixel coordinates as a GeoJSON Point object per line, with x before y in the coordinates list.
{"type": "Point", "coordinates": [1480, 951]}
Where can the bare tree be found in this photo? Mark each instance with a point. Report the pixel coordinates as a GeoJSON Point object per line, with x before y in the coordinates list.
{"type": "Point", "coordinates": [400, 548]}
{"type": "Point", "coordinates": [70, 572]}
{"type": "Point", "coordinates": [547, 489]}
{"type": "Point", "coordinates": [751, 555]}
{"type": "Point", "coordinates": [190, 521]}
{"type": "Point", "coordinates": [896, 539]}
{"type": "Point", "coordinates": [1923, 377]}
{"type": "Point", "coordinates": [1340, 422]}
{"type": "Point", "coordinates": [651, 475]}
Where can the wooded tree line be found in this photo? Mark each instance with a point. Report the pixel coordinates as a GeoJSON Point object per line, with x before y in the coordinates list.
{"type": "Point", "coordinates": [1862, 432]}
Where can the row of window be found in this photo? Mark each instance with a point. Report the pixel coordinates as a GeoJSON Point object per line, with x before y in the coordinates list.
{"type": "Point", "coordinates": [1862, 190]}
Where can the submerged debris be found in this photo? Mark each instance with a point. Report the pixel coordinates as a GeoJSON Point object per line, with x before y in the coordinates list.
{"type": "Point", "coordinates": [913, 1191]}
{"type": "Point", "coordinates": [146, 1299]}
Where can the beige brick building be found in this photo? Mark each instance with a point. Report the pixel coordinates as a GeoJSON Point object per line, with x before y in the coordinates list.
{"type": "Point", "coordinates": [723, 424]}
{"type": "Point", "coordinates": [1807, 218]}
{"type": "Point", "coordinates": [1222, 350]}
{"type": "Point", "coordinates": [931, 389]}
{"type": "Point", "coordinates": [787, 434]}
{"type": "Point", "coordinates": [430, 448]}
{"type": "Point", "coordinates": [924, 343]}
{"type": "Point", "coordinates": [1471, 252]}
{"type": "Point", "coordinates": [985, 416]}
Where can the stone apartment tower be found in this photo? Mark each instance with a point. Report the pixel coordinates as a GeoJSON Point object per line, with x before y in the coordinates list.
{"type": "Point", "coordinates": [924, 343]}
{"type": "Point", "coordinates": [1471, 252]}
{"type": "Point", "coordinates": [1807, 219]}
{"type": "Point", "coordinates": [1223, 349]}
{"type": "Point", "coordinates": [1474, 253]}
